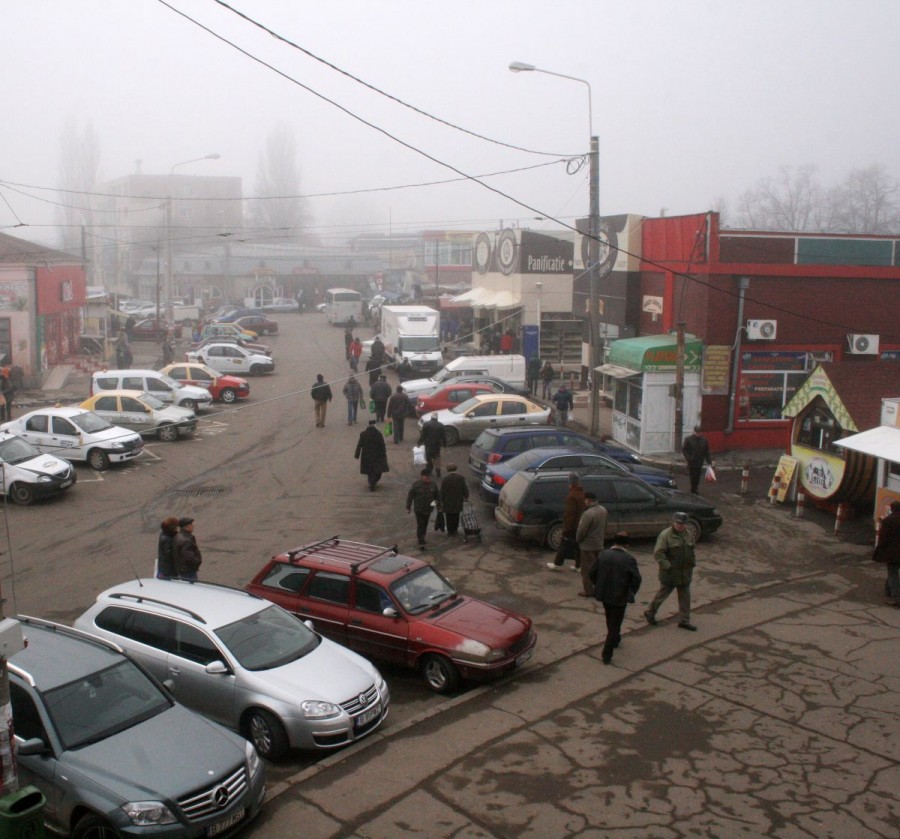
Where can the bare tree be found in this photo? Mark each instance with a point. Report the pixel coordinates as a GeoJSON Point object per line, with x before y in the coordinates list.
{"type": "Point", "coordinates": [790, 201]}
{"type": "Point", "coordinates": [866, 202]}
{"type": "Point", "coordinates": [79, 175]}
{"type": "Point", "coordinates": [278, 206]}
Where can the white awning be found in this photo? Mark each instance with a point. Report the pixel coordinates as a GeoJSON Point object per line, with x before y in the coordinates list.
{"type": "Point", "coordinates": [883, 442]}
{"type": "Point", "coordinates": [484, 298]}
{"type": "Point", "coordinates": [617, 371]}
{"type": "Point", "coordinates": [471, 297]}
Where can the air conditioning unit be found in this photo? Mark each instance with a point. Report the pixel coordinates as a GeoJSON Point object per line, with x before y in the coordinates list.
{"type": "Point", "coordinates": [863, 344]}
{"type": "Point", "coordinates": [762, 330]}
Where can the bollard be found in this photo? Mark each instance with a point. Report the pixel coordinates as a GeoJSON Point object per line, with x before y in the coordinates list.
{"type": "Point", "coordinates": [801, 503]}
{"type": "Point", "coordinates": [840, 517]}
{"type": "Point", "coordinates": [776, 488]}
{"type": "Point", "coordinates": [745, 479]}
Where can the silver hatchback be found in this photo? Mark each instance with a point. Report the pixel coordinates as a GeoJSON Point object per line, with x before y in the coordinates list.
{"type": "Point", "coordinates": [244, 662]}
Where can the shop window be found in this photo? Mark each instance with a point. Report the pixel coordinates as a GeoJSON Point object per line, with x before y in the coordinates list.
{"type": "Point", "coordinates": [819, 429]}
{"type": "Point", "coordinates": [770, 379]}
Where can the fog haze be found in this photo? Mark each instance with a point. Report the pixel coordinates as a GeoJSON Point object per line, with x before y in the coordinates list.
{"type": "Point", "coordinates": [693, 101]}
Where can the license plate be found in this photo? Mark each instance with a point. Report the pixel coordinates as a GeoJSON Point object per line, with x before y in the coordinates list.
{"type": "Point", "coordinates": [219, 827]}
{"type": "Point", "coordinates": [524, 657]}
{"type": "Point", "coordinates": [65, 484]}
{"type": "Point", "coordinates": [367, 716]}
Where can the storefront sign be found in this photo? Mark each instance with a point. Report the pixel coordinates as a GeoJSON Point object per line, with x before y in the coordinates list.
{"type": "Point", "coordinates": [652, 305]}
{"type": "Point", "coordinates": [820, 474]}
{"type": "Point", "coordinates": [784, 477]}
{"type": "Point", "coordinates": [716, 370]}
{"type": "Point", "coordinates": [522, 251]}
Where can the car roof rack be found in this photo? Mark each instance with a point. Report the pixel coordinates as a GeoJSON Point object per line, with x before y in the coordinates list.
{"type": "Point", "coordinates": [316, 549]}
{"type": "Point", "coordinates": [142, 598]}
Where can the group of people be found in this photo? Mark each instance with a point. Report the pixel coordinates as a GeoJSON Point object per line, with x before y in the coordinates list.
{"type": "Point", "coordinates": [446, 499]}
{"type": "Point", "coordinates": [178, 556]}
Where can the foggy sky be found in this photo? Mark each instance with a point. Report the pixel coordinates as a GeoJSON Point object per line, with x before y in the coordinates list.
{"type": "Point", "coordinates": [693, 100]}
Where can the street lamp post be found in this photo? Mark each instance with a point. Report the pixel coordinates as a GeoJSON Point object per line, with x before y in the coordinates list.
{"type": "Point", "coordinates": [593, 244]}
{"type": "Point", "coordinates": [169, 268]}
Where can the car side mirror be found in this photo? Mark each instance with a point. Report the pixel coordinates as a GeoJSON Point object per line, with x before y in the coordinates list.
{"type": "Point", "coordinates": [31, 746]}
{"type": "Point", "coordinates": [217, 668]}
{"type": "Point", "coordinates": [390, 612]}
{"type": "Point", "coordinates": [309, 625]}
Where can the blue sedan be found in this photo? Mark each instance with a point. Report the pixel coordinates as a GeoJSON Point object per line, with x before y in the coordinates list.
{"type": "Point", "coordinates": [569, 460]}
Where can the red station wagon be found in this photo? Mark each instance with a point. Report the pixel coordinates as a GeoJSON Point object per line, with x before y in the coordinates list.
{"type": "Point", "coordinates": [449, 396]}
{"type": "Point", "coordinates": [223, 388]}
{"type": "Point", "coordinates": [397, 609]}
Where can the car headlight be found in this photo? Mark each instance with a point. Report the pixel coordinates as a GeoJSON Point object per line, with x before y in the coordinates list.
{"type": "Point", "coordinates": [496, 655]}
{"type": "Point", "coordinates": [316, 710]}
{"type": "Point", "coordinates": [45, 479]}
{"type": "Point", "coordinates": [117, 446]}
{"type": "Point", "coordinates": [145, 813]}
{"type": "Point", "coordinates": [252, 758]}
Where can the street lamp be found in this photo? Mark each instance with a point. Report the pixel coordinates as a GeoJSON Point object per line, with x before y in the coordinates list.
{"type": "Point", "coordinates": [169, 267]}
{"type": "Point", "coordinates": [593, 243]}
{"type": "Point", "coordinates": [539, 290]}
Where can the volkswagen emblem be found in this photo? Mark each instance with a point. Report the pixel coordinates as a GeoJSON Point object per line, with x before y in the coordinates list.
{"type": "Point", "coordinates": [220, 797]}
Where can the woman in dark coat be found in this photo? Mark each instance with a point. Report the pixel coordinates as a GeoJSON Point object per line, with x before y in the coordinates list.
{"type": "Point", "coordinates": [454, 493]}
{"type": "Point", "coordinates": [372, 454]}
{"type": "Point", "coordinates": [165, 558]}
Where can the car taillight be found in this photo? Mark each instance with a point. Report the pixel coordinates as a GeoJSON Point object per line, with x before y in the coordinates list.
{"type": "Point", "coordinates": [518, 516]}
{"type": "Point", "coordinates": [494, 458]}
{"type": "Point", "coordinates": [497, 480]}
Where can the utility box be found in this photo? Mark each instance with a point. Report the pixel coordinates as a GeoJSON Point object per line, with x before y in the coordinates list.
{"type": "Point", "coordinates": [22, 814]}
{"type": "Point", "coordinates": [12, 639]}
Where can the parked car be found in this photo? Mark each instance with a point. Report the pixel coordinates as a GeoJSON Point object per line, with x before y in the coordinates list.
{"type": "Point", "coordinates": [282, 304]}
{"type": "Point", "coordinates": [569, 460]}
{"type": "Point", "coordinates": [498, 444]}
{"type": "Point", "coordinates": [493, 410]}
{"type": "Point", "coordinates": [531, 506]}
{"type": "Point", "coordinates": [250, 346]}
{"type": "Point", "coordinates": [143, 413]}
{"type": "Point", "coordinates": [397, 609]}
{"type": "Point", "coordinates": [244, 662]}
{"type": "Point", "coordinates": [113, 754]}
{"type": "Point", "coordinates": [259, 324]}
{"type": "Point", "coordinates": [230, 358]}
{"type": "Point", "coordinates": [77, 434]}
{"type": "Point", "coordinates": [26, 475]}
{"type": "Point", "coordinates": [449, 396]}
{"type": "Point", "coordinates": [157, 384]}
{"type": "Point", "coordinates": [222, 388]}
{"type": "Point", "coordinates": [152, 329]}
{"type": "Point", "coordinates": [229, 314]}
{"type": "Point", "coordinates": [229, 330]}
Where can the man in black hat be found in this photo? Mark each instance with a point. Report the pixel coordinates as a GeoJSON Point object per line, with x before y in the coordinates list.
{"type": "Point", "coordinates": [185, 554]}
{"type": "Point", "coordinates": [616, 580]}
{"type": "Point", "coordinates": [674, 552]}
{"type": "Point", "coordinates": [372, 454]}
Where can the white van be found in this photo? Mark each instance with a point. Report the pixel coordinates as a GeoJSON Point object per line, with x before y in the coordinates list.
{"type": "Point", "coordinates": [155, 383]}
{"type": "Point", "coordinates": [510, 368]}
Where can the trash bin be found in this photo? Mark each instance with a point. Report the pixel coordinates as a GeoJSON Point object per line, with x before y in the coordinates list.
{"type": "Point", "coordinates": [21, 814]}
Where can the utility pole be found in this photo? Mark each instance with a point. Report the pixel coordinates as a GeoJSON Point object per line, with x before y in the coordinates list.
{"type": "Point", "coordinates": [594, 252]}
{"type": "Point", "coordinates": [679, 390]}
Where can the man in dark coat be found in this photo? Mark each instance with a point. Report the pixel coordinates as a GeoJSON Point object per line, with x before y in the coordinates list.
{"type": "Point", "coordinates": [616, 581]}
{"type": "Point", "coordinates": [423, 496]}
{"type": "Point", "coordinates": [348, 340]}
{"type": "Point", "coordinates": [888, 551]}
{"type": "Point", "coordinates": [454, 493]}
{"type": "Point", "coordinates": [575, 503]}
{"type": "Point", "coordinates": [674, 551]}
{"type": "Point", "coordinates": [432, 437]}
{"type": "Point", "coordinates": [377, 351]}
{"type": "Point", "coordinates": [372, 454]}
{"type": "Point", "coordinates": [321, 394]}
{"type": "Point", "coordinates": [186, 555]}
{"type": "Point", "coordinates": [564, 404]}
{"type": "Point", "coordinates": [372, 368]}
{"type": "Point", "coordinates": [397, 410]}
{"type": "Point", "coordinates": [696, 452]}
{"type": "Point", "coordinates": [379, 393]}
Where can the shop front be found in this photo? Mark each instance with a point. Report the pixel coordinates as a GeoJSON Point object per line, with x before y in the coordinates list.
{"type": "Point", "coordinates": [639, 379]}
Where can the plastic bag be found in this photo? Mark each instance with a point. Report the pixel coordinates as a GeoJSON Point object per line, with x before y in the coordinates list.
{"type": "Point", "coordinates": [388, 428]}
{"type": "Point", "coordinates": [371, 406]}
{"type": "Point", "coordinates": [439, 523]}
{"type": "Point", "coordinates": [709, 475]}
{"type": "Point", "coordinates": [419, 458]}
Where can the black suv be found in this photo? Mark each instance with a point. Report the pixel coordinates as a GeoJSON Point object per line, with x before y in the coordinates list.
{"type": "Point", "coordinates": [494, 445]}
{"type": "Point", "coordinates": [532, 503]}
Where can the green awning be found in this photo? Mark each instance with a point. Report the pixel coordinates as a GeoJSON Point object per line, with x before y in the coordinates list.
{"type": "Point", "coordinates": [655, 352]}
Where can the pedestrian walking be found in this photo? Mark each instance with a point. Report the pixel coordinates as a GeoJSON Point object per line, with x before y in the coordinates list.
{"type": "Point", "coordinates": [186, 555]}
{"type": "Point", "coordinates": [379, 393]}
{"type": "Point", "coordinates": [563, 402]}
{"type": "Point", "coordinates": [674, 552]}
{"type": "Point", "coordinates": [165, 550]}
{"type": "Point", "coordinates": [616, 580]}
{"type": "Point", "coordinates": [432, 437]}
{"type": "Point", "coordinates": [377, 351]}
{"type": "Point", "coordinates": [321, 395]}
{"type": "Point", "coordinates": [507, 342]}
{"type": "Point", "coordinates": [7, 393]}
{"type": "Point", "coordinates": [423, 497]}
{"type": "Point", "coordinates": [547, 374]}
{"type": "Point", "coordinates": [122, 348]}
{"type": "Point", "coordinates": [397, 411]}
{"type": "Point", "coordinates": [168, 351]}
{"type": "Point", "coordinates": [590, 537]}
{"type": "Point", "coordinates": [353, 393]}
{"type": "Point", "coordinates": [372, 454]}
{"type": "Point", "coordinates": [373, 368]}
{"type": "Point", "coordinates": [888, 551]}
{"type": "Point", "coordinates": [571, 516]}
{"type": "Point", "coordinates": [348, 340]}
{"type": "Point", "coordinates": [695, 449]}
{"type": "Point", "coordinates": [533, 374]}
{"type": "Point", "coordinates": [130, 323]}
{"type": "Point", "coordinates": [355, 353]}
{"type": "Point", "coordinates": [454, 493]}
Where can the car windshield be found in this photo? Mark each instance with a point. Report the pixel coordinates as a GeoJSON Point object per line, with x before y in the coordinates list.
{"type": "Point", "coordinates": [17, 450]}
{"type": "Point", "coordinates": [90, 422]}
{"type": "Point", "coordinates": [171, 382]}
{"type": "Point", "coordinates": [420, 343]}
{"type": "Point", "coordinates": [422, 589]}
{"type": "Point", "coordinates": [150, 400]}
{"type": "Point", "coordinates": [442, 375]}
{"type": "Point", "coordinates": [269, 638]}
{"type": "Point", "coordinates": [465, 406]}
{"type": "Point", "coordinates": [102, 704]}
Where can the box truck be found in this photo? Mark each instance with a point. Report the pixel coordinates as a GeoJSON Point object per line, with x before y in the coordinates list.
{"type": "Point", "coordinates": [411, 337]}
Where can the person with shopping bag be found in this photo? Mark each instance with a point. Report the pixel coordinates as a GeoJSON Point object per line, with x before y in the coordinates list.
{"type": "Point", "coordinates": [696, 452]}
{"type": "Point", "coordinates": [454, 493]}
{"type": "Point", "coordinates": [397, 410]}
{"type": "Point", "coordinates": [424, 496]}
